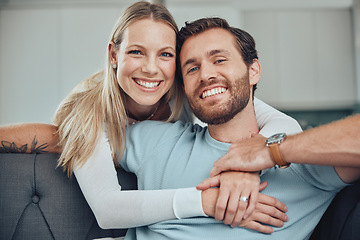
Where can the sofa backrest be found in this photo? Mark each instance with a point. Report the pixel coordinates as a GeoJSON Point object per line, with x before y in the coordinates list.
{"type": "Point", "coordinates": [38, 200]}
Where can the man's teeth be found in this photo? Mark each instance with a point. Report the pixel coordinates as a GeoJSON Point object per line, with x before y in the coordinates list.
{"type": "Point", "coordinates": [147, 84]}
{"type": "Point", "coordinates": [213, 92]}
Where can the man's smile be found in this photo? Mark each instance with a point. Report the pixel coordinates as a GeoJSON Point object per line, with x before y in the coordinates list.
{"type": "Point", "coordinates": [212, 92]}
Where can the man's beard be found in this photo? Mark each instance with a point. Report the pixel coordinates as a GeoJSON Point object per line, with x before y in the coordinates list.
{"type": "Point", "coordinates": [240, 95]}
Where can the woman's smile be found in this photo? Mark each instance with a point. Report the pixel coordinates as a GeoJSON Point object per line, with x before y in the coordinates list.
{"type": "Point", "coordinates": [148, 84]}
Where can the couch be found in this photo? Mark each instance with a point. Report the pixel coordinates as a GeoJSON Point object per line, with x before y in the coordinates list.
{"type": "Point", "coordinates": [38, 201]}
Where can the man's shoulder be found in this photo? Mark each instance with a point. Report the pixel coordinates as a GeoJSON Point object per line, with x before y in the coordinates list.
{"type": "Point", "coordinates": [321, 176]}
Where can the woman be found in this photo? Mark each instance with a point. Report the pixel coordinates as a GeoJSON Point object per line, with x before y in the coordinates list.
{"type": "Point", "coordinates": [137, 84]}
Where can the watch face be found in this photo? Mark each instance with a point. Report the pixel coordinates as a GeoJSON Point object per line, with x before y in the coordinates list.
{"type": "Point", "coordinates": [276, 138]}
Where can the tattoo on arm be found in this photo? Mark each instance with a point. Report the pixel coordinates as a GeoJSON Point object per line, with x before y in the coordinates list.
{"type": "Point", "coordinates": [39, 149]}
{"type": "Point", "coordinates": [10, 147]}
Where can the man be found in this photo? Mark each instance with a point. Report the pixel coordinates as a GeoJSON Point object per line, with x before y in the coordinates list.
{"type": "Point", "coordinates": [220, 72]}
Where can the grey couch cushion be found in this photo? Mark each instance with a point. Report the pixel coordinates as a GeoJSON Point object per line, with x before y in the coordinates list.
{"type": "Point", "coordinates": [38, 201]}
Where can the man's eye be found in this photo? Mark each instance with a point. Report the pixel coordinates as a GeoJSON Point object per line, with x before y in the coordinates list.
{"type": "Point", "coordinates": [167, 54]}
{"type": "Point", "coordinates": [220, 61]}
{"type": "Point", "coordinates": [137, 52]}
{"type": "Point", "coordinates": [193, 69]}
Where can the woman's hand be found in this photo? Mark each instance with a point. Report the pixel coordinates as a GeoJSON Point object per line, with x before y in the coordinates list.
{"type": "Point", "coordinates": [238, 193]}
{"type": "Point", "coordinates": [245, 155]}
{"type": "Point", "coordinates": [268, 211]}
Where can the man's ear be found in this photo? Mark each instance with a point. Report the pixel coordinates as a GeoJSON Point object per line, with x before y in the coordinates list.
{"type": "Point", "coordinates": [254, 72]}
{"type": "Point", "coordinates": [112, 52]}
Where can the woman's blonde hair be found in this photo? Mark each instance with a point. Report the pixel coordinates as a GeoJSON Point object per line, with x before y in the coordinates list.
{"type": "Point", "coordinates": [99, 102]}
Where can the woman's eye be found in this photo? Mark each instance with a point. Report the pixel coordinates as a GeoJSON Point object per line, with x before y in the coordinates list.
{"type": "Point", "coordinates": [166, 54]}
{"type": "Point", "coordinates": [136, 52]}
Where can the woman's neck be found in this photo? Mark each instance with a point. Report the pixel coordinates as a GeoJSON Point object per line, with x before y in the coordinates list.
{"type": "Point", "coordinates": [137, 112]}
{"type": "Point", "coordinates": [140, 112]}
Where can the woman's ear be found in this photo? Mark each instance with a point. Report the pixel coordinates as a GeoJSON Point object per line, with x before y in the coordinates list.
{"type": "Point", "coordinates": [254, 72]}
{"type": "Point", "coordinates": [112, 52]}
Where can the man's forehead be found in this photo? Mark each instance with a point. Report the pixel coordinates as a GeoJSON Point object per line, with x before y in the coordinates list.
{"type": "Point", "coordinates": [209, 36]}
{"type": "Point", "coordinates": [210, 42]}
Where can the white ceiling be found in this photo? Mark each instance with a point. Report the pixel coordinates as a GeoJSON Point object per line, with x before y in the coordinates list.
{"type": "Point", "coordinates": [241, 4]}
{"type": "Point", "coordinates": [271, 4]}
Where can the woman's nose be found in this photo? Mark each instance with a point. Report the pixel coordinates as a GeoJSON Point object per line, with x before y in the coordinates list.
{"type": "Point", "coordinates": [150, 66]}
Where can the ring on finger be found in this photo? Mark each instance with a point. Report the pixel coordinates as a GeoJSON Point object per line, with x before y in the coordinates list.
{"type": "Point", "coordinates": [244, 199]}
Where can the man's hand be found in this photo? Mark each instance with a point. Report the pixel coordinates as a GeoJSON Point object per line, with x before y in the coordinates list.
{"type": "Point", "coordinates": [268, 211]}
{"type": "Point", "coordinates": [245, 155]}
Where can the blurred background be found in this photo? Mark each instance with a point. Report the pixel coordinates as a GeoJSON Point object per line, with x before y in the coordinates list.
{"type": "Point", "coordinates": [309, 51]}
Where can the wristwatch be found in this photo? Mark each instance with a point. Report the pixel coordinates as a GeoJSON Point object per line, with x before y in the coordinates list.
{"type": "Point", "coordinates": [273, 142]}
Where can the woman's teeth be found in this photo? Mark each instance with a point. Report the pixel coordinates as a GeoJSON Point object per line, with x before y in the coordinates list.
{"type": "Point", "coordinates": [147, 84]}
{"type": "Point", "coordinates": [213, 92]}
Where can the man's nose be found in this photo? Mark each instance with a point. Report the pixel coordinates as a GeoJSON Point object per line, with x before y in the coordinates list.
{"type": "Point", "coordinates": [207, 72]}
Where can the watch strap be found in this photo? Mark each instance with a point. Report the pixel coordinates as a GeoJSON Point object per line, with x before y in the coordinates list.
{"type": "Point", "coordinates": [276, 155]}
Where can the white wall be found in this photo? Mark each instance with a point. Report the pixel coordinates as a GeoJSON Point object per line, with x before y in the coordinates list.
{"type": "Point", "coordinates": [45, 50]}
{"type": "Point", "coordinates": [183, 13]}
{"type": "Point", "coordinates": [27, 90]}
{"type": "Point", "coordinates": [356, 27]}
{"type": "Point", "coordinates": [307, 57]}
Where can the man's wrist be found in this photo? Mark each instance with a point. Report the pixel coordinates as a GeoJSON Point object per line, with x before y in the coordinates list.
{"type": "Point", "coordinates": [273, 144]}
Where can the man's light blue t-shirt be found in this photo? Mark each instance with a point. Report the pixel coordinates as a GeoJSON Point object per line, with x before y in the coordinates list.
{"type": "Point", "coordinates": [181, 155]}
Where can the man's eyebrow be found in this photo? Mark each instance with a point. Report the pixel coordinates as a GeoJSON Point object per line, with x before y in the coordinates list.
{"type": "Point", "coordinates": [216, 51]}
{"type": "Point", "coordinates": [189, 61]}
